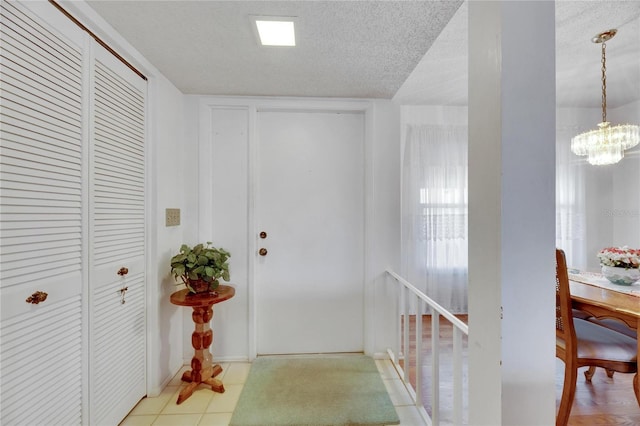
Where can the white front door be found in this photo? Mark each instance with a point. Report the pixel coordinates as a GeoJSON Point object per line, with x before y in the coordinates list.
{"type": "Point", "coordinates": [310, 204]}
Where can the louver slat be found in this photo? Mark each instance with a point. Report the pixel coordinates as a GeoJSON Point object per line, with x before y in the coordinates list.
{"type": "Point", "coordinates": [40, 165]}
{"type": "Point", "coordinates": [119, 180]}
{"type": "Point", "coordinates": [20, 390]}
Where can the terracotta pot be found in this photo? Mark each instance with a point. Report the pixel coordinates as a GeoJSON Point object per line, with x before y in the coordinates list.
{"type": "Point", "coordinates": [201, 286]}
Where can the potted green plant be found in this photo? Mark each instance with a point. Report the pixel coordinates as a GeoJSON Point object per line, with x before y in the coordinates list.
{"type": "Point", "coordinates": [200, 267]}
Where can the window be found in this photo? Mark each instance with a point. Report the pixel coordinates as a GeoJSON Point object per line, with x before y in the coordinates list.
{"type": "Point", "coordinates": [435, 220]}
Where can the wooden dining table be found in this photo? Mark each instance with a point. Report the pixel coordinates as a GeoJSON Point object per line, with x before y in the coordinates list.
{"type": "Point", "coordinates": [604, 303]}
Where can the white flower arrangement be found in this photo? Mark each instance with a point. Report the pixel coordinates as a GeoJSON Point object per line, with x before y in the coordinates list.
{"type": "Point", "coordinates": [622, 257]}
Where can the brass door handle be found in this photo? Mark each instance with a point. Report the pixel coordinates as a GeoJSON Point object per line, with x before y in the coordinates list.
{"type": "Point", "coordinates": [37, 297]}
{"type": "Point", "coordinates": [123, 271]}
{"type": "Point", "coordinates": [262, 252]}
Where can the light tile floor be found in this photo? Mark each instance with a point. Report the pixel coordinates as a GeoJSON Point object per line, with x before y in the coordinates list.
{"type": "Point", "coordinates": [207, 408]}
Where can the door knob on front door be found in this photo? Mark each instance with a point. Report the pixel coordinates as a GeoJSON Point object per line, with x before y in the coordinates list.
{"type": "Point", "coordinates": [262, 252]}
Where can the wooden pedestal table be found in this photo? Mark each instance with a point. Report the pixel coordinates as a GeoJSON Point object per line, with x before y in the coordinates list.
{"type": "Point", "coordinates": [202, 368]}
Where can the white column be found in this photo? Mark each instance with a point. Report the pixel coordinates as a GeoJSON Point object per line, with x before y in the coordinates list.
{"type": "Point", "coordinates": [511, 212]}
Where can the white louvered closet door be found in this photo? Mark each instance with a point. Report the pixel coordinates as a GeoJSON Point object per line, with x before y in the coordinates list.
{"type": "Point", "coordinates": [117, 223]}
{"type": "Point", "coordinates": [41, 220]}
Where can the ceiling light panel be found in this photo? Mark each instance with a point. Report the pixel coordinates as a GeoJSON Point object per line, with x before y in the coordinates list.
{"type": "Point", "coordinates": [274, 31]}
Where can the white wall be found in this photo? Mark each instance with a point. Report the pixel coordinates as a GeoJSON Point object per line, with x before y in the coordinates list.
{"type": "Point", "coordinates": [433, 115]}
{"type": "Point", "coordinates": [165, 189]}
{"type": "Point", "coordinates": [191, 215]}
{"type": "Point", "coordinates": [224, 177]}
{"type": "Point", "coordinates": [189, 166]}
{"type": "Point", "coordinates": [165, 333]}
{"type": "Point", "coordinates": [597, 182]}
{"type": "Point", "coordinates": [217, 149]}
{"type": "Point", "coordinates": [625, 209]}
{"type": "Point", "coordinates": [611, 195]}
{"type": "Point", "coordinates": [430, 115]}
{"type": "Point", "coordinates": [384, 236]}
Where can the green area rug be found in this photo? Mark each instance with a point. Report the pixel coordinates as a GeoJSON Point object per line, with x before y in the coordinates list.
{"type": "Point", "coordinates": [334, 390]}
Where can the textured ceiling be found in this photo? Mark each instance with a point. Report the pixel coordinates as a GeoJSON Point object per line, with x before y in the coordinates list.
{"type": "Point", "coordinates": [578, 59]}
{"type": "Point", "coordinates": [373, 49]}
{"type": "Point", "coordinates": [344, 48]}
{"type": "Point", "coordinates": [441, 77]}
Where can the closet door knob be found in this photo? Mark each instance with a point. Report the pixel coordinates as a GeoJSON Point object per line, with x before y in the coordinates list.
{"type": "Point", "coordinates": [37, 297]}
{"type": "Point", "coordinates": [123, 271]}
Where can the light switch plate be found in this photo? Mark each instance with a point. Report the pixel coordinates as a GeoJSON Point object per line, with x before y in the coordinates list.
{"type": "Point", "coordinates": [172, 217]}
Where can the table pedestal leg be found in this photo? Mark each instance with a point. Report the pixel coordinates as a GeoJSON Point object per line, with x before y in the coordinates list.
{"type": "Point", "coordinates": [202, 370]}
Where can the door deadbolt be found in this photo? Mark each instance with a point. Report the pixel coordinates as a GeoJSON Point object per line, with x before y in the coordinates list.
{"type": "Point", "coordinates": [262, 252]}
{"type": "Point", "coordinates": [263, 235]}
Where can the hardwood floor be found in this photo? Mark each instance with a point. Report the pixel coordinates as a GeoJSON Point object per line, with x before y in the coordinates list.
{"type": "Point", "coordinates": [604, 401]}
{"type": "Point", "coordinates": [446, 366]}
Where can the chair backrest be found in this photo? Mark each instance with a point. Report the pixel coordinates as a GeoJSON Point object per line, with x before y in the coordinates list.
{"type": "Point", "coordinates": [564, 317]}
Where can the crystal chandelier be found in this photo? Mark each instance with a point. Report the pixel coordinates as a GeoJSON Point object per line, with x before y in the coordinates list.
{"type": "Point", "coordinates": [606, 144]}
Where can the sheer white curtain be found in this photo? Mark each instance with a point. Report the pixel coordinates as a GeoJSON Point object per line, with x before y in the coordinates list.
{"type": "Point", "coordinates": [570, 200]}
{"type": "Point", "coordinates": [435, 212]}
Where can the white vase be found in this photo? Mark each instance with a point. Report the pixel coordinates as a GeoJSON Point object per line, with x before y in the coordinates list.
{"type": "Point", "coordinates": [621, 276]}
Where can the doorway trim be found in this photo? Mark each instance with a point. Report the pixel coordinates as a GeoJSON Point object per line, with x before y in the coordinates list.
{"type": "Point", "coordinates": [254, 105]}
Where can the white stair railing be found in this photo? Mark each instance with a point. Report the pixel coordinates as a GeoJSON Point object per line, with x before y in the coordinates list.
{"type": "Point", "coordinates": [410, 298]}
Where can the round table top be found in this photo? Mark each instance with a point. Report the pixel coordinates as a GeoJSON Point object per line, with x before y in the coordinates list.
{"type": "Point", "coordinates": [186, 298]}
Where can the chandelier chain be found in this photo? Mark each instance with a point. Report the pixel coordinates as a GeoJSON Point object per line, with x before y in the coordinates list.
{"type": "Point", "coordinates": [604, 82]}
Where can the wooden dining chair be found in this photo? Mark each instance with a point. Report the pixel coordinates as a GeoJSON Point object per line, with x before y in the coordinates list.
{"type": "Point", "coordinates": [605, 322]}
{"type": "Point", "coordinates": [581, 343]}
{"type": "Point", "coordinates": [614, 325]}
